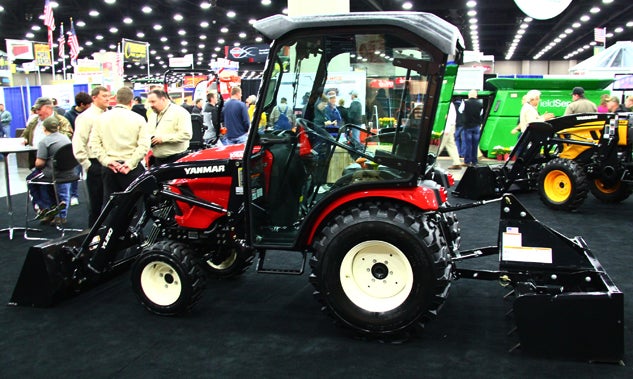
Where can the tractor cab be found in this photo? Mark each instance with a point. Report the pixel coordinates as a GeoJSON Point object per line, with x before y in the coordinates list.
{"type": "Point", "coordinates": [347, 137]}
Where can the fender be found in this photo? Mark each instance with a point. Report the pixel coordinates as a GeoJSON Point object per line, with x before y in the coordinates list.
{"type": "Point", "coordinates": [423, 198]}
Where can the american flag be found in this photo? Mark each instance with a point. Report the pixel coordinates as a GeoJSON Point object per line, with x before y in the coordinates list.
{"type": "Point", "coordinates": [61, 41]}
{"type": "Point", "coordinates": [49, 19]}
{"type": "Point", "coordinates": [49, 22]}
{"type": "Point", "coordinates": [73, 43]}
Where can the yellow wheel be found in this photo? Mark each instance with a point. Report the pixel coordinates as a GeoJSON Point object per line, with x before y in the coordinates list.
{"type": "Point", "coordinates": [562, 184]}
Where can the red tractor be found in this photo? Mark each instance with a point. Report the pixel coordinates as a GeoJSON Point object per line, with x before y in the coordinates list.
{"type": "Point", "coordinates": [367, 206]}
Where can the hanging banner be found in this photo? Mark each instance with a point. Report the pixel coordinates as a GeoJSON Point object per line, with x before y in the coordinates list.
{"type": "Point", "coordinates": [19, 49]}
{"type": "Point", "coordinates": [135, 51]}
{"type": "Point", "coordinates": [252, 53]}
{"type": "Point", "coordinates": [42, 54]}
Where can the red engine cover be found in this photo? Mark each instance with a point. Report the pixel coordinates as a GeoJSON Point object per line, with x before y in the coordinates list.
{"type": "Point", "coordinates": [216, 190]}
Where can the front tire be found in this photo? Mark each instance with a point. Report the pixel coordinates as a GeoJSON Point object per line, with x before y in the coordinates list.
{"type": "Point", "coordinates": [562, 184]}
{"type": "Point", "coordinates": [167, 279]}
{"type": "Point", "coordinates": [381, 269]}
{"type": "Point", "coordinates": [615, 193]}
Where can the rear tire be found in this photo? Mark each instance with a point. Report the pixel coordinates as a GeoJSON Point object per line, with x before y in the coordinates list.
{"type": "Point", "coordinates": [610, 194]}
{"type": "Point", "coordinates": [381, 270]}
{"type": "Point", "coordinates": [562, 184]}
{"type": "Point", "coordinates": [167, 279]}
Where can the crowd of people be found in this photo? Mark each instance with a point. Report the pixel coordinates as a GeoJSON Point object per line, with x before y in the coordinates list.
{"type": "Point", "coordinates": [110, 142]}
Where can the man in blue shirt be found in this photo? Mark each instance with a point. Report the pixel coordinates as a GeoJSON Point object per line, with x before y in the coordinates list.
{"type": "Point", "coordinates": [236, 118]}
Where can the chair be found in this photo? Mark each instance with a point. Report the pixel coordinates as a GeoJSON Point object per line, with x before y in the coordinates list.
{"type": "Point", "coordinates": [63, 161]}
{"type": "Point", "coordinates": [197, 128]}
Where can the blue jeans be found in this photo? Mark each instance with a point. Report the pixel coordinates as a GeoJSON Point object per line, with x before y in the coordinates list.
{"type": "Point", "coordinates": [6, 131]}
{"type": "Point", "coordinates": [75, 185]}
{"type": "Point", "coordinates": [459, 139]}
{"type": "Point", "coordinates": [471, 144]}
{"type": "Point", "coordinates": [237, 140]}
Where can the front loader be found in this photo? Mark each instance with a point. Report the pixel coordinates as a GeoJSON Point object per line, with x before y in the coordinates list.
{"type": "Point", "coordinates": [370, 215]}
{"type": "Point", "coordinates": [564, 159]}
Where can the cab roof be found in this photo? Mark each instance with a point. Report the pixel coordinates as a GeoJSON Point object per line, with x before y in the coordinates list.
{"type": "Point", "coordinates": [439, 32]}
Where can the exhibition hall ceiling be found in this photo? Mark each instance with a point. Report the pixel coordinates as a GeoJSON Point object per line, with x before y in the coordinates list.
{"type": "Point", "coordinates": [204, 27]}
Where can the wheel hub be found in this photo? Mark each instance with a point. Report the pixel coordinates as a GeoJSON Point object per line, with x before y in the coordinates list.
{"type": "Point", "coordinates": [380, 271]}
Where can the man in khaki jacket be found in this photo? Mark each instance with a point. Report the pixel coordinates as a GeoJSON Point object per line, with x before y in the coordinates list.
{"type": "Point", "coordinates": [86, 158]}
{"type": "Point", "coordinates": [120, 139]}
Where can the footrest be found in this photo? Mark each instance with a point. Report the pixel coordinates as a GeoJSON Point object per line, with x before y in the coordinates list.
{"type": "Point", "coordinates": [281, 262]}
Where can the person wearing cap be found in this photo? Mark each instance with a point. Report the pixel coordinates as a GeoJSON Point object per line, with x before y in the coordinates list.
{"type": "Point", "coordinates": [120, 139]}
{"type": "Point", "coordinates": [580, 104]}
{"type": "Point", "coordinates": [43, 196]}
{"type": "Point", "coordinates": [614, 106]}
{"type": "Point", "coordinates": [34, 132]}
{"type": "Point", "coordinates": [332, 115]}
{"type": "Point", "coordinates": [84, 124]}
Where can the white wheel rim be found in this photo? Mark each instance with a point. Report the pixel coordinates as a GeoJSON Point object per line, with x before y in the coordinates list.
{"type": "Point", "coordinates": [161, 283]}
{"type": "Point", "coordinates": [376, 276]}
{"type": "Point", "coordinates": [228, 262]}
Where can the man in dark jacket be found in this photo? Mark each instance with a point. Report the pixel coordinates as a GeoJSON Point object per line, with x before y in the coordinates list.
{"type": "Point", "coordinates": [472, 109]}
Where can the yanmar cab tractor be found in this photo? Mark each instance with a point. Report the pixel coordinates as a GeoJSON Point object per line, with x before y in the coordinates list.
{"type": "Point", "coordinates": [382, 241]}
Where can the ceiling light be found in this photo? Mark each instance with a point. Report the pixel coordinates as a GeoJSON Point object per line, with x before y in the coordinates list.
{"type": "Point", "coordinates": [99, 37]}
{"type": "Point", "coordinates": [258, 39]}
{"type": "Point", "coordinates": [205, 5]}
{"type": "Point", "coordinates": [113, 30]}
{"type": "Point", "coordinates": [407, 5]}
{"type": "Point", "coordinates": [93, 13]}
{"type": "Point", "coordinates": [127, 20]}
{"type": "Point", "coordinates": [585, 18]}
{"type": "Point", "coordinates": [184, 51]}
{"type": "Point", "coordinates": [157, 27]}
{"type": "Point", "coordinates": [221, 41]}
{"type": "Point", "coordinates": [88, 43]}
{"type": "Point", "coordinates": [266, 2]}
{"type": "Point", "coordinates": [80, 24]}
{"type": "Point", "coordinates": [30, 35]}
{"type": "Point", "coordinates": [224, 29]}
{"type": "Point", "coordinates": [619, 29]}
{"type": "Point", "coordinates": [182, 32]}
{"type": "Point", "coordinates": [230, 14]}
{"type": "Point", "coordinates": [109, 1]}
{"type": "Point", "coordinates": [146, 9]}
{"type": "Point", "coordinates": [594, 10]}
{"type": "Point", "coordinates": [242, 35]}
{"type": "Point", "coordinates": [203, 37]}
{"type": "Point", "coordinates": [36, 27]}
{"type": "Point", "coordinates": [251, 21]}
{"type": "Point", "coordinates": [471, 4]}
{"type": "Point", "coordinates": [204, 24]}
{"type": "Point", "coordinates": [472, 13]}
{"type": "Point", "coordinates": [165, 47]}
{"type": "Point", "coordinates": [140, 34]}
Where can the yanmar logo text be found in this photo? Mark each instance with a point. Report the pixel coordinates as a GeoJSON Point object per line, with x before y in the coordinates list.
{"type": "Point", "coordinates": [204, 170]}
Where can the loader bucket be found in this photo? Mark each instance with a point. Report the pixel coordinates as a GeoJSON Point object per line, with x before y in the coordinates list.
{"type": "Point", "coordinates": [53, 272]}
{"type": "Point", "coordinates": [478, 183]}
{"type": "Point", "coordinates": [46, 276]}
{"type": "Point", "coordinates": [565, 303]}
